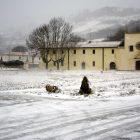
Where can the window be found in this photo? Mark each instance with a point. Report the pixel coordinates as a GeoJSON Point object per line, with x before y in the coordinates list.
{"type": "Point", "coordinates": [83, 65]}
{"type": "Point", "coordinates": [138, 45]}
{"type": "Point", "coordinates": [74, 63]}
{"type": "Point", "coordinates": [83, 51]}
{"type": "Point", "coordinates": [54, 51]}
{"type": "Point", "coordinates": [112, 51]}
{"type": "Point", "coordinates": [93, 52]}
{"type": "Point", "coordinates": [131, 48]}
{"type": "Point", "coordinates": [93, 63]}
{"type": "Point", "coordinates": [74, 51]}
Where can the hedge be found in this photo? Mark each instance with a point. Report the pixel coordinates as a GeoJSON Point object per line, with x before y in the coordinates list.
{"type": "Point", "coordinates": [13, 63]}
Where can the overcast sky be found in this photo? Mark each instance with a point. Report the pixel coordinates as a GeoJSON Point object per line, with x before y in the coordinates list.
{"type": "Point", "coordinates": [27, 12]}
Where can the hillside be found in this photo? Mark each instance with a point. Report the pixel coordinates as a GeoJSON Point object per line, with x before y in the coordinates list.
{"type": "Point", "coordinates": [94, 24]}
{"type": "Point", "coordinates": [103, 22]}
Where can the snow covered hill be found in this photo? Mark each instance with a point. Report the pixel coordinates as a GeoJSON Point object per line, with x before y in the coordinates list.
{"type": "Point", "coordinates": [90, 24]}
{"type": "Point", "coordinates": [107, 17]}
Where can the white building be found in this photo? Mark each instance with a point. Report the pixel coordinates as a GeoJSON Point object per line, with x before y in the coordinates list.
{"type": "Point", "coordinates": [26, 57]}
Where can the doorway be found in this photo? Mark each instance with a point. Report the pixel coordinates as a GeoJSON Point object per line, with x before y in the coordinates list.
{"type": "Point", "coordinates": [112, 66]}
{"type": "Point", "coordinates": [83, 65]}
{"type": "Point", "coordinates": [138, 65]}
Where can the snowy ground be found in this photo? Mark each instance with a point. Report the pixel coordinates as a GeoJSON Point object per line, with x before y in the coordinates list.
{"type": "Point", "coordinates": [27, 112]}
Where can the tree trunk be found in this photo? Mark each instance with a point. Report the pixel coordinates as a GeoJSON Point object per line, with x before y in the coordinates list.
{"type": "Point", "coordinates": [68, 59]}
{"type": "Point", "coordinates": [46, 65]}
{"type": "Point", "coordinates": [57, 65]}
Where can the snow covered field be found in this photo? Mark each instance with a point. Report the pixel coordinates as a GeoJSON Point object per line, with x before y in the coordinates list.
{"type": "Point", "coordinates": [27, 112]}
{"type": "Point", "coordinates": [104, 84]}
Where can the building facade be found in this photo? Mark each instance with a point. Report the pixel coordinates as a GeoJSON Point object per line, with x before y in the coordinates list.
{"type": "Point", "coordinates": [100, 55]}
{"type": "Point", "coordinates": [128, 54]}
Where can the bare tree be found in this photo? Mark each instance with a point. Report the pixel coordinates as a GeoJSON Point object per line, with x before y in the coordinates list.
{"type": "Point", "coordinates": [52, 40]}
{"type": "Point", "coordinates": [60, 36]}
{"type": "Point", "coordinates": [37, 42]}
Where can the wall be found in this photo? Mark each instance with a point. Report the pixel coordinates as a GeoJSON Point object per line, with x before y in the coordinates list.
{"type": "Point", "coordinates": [87, 58]}
{"type": "Point", "coordinates": [124, 58]}
{"type": "Point", "coordinates": [109, 57]}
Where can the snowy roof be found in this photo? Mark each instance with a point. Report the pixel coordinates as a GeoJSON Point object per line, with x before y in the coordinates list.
{"type": "Point", "coordinates": [94, 44]}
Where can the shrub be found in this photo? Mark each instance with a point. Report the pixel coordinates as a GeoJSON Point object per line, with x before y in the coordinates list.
{"type": "Point", "coordinates": [85, 89]}
{"type": "Point", "coordinates": [13, 63]}
{"type": "Point", "coordinates": [52, 89]}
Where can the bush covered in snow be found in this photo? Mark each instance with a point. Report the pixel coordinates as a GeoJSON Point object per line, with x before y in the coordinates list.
{"type": "Point", "coordinates": [52, 89]}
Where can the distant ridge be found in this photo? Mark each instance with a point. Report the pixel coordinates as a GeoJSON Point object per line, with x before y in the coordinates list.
{"type": "Point", "coordinates": [102, 22]}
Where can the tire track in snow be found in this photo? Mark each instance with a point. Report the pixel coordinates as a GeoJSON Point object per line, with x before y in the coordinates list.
{"type": "Point", "coordinates": [74, 133]}
{"type": "Point", "coordinates": [59, 116]}
{"type": "Point", "coordinates": [126, 131]}
{"type": "Point", "coordinates": [110, 127]}
{"type": "Point", "coordinates": [59, 125]}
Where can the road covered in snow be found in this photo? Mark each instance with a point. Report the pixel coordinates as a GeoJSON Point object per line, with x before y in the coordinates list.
{"type": "Point", "coordinates": [27, 112]}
